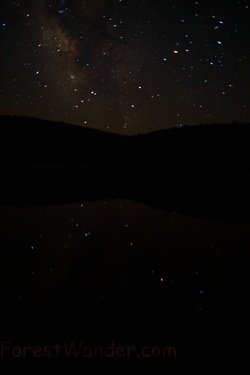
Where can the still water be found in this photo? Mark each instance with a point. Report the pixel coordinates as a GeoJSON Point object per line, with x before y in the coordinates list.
{"type": "Point", "coordinates": [120, 274]}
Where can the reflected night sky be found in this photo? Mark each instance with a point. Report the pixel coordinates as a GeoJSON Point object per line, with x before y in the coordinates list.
{"type": "Point", "coordinates": [118, 270]}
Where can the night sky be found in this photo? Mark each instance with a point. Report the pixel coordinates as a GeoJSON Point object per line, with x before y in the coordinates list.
{"type": "Point", "coordinates": [126, 66]}
{"type": "Point", "coordinates": [141, 265]}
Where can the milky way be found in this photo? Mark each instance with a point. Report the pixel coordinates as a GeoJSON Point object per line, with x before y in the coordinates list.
{"type": "Point", "coordinates": [125, 66]}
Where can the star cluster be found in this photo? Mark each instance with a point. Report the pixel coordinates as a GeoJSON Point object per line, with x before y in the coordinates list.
{"type": "Point", "coordinates": [125, 66]}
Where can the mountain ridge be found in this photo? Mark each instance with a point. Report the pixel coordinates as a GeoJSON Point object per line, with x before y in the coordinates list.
{"type": "Point", "coordinates": [202, 171]}
{"type": "Point", "coordinates": [27, 139]}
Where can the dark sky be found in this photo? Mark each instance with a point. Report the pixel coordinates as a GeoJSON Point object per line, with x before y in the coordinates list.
{"type": "Point", "coordinates": [126, 66]}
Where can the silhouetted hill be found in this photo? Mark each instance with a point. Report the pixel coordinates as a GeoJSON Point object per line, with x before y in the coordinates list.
{"type": "Point", "coordinates": [198, 170]}
{"type": "Point", "coordinates": [31, 140]}
{"type": "Point", "coordinates": [200, 146]}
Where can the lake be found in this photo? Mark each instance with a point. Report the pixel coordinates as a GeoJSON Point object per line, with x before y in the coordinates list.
{"type": "Point", "coordinates": [121, 284]}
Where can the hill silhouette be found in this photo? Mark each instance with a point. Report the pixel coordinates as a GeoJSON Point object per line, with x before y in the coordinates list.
{"type": "Point", "coordinates": [32, 140]}
{"type": "Point", "coordinates": [199, 170]}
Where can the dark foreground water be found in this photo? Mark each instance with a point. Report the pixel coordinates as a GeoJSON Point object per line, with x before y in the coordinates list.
{"type": "Point", "coordinates": [117, 284]}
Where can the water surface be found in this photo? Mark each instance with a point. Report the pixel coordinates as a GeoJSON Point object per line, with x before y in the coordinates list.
{"type": "Point", "coordinates": [118, 271]}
